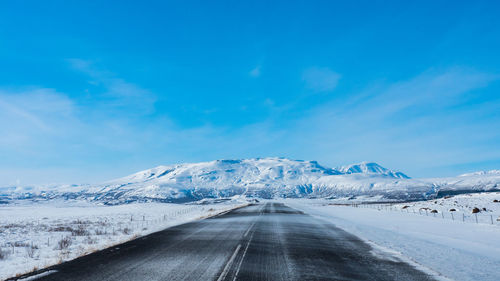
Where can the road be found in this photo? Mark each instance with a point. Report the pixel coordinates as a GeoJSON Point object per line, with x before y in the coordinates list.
{"type": "Point", "coordinates": [268, 241]}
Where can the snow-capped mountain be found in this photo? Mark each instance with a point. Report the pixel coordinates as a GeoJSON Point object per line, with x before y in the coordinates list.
{"type": "Point", "coordinates": [232, 171]}
{"type": "Point", "coordinates": [371, 168]}
{"type": "Point", "coordinates": [261, 178]}
{"type": "Point", "coordinates": [480, 173]}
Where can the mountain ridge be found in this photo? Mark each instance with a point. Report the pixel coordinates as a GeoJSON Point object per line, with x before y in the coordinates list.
{"type": "Point", "coordinates": [259, 178]}
{"type": "Point", "coordinates": [371, 167]}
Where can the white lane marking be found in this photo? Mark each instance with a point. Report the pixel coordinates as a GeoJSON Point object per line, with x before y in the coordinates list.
{"type": "Point", "coordinates": [242, 257]}
{"type": "Point", "coordinates": [246, 248]}
{"type": "Point", "coordinates": [34, 277]}
{"type": "Point", "coordinates": [228, 265]}
{"type": "Point", "coordinates": [251, 226]}
{"type": "Point", "coordinates": [248, 230]}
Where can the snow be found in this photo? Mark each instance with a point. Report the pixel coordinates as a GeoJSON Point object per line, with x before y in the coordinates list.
{"type": "Point", "coordinates": [37, 276]}
{"type": "Point", "coordinates": [30, 233]}
{"type": "Point", "coordinates": [473, 182]}
{"type": "Point", "coordinates": [492, 172]}
{"type": "Point", "coordinates": [456, 249]}
{"type": "Point", "coordinates": [36, 218]}
{"type": "Point", "coordinates": [370, 168]}
{"type": "Point", "coordinates": [261, 178]}
{"type": "Point", "coordinates": [460, 206]}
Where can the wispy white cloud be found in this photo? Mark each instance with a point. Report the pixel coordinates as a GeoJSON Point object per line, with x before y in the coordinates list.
{"type": "Point", "coordinates": [117, 91]}
{"type": "Point", "coordinates": [320, 79]}
{"type": "Point", "coordinates": [43, 125]}
{"type": "Point", "coordinates": [406, 125]}
{"type": "Point", "coordinates": [33, 109]}
{"type": "Point", "coordinates": [255, 72]}
{"type": "Point", "coordinates": [48, 137]}
{"type": "Point", "coordinates": [418, 124]}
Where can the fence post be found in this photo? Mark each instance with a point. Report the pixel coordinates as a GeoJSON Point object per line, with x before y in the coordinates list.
{"type": "Point", "coordinates": [476, 217]}
{"type": "Point", "coordinates": [442, 214]}
{"type": "Point", "coordinates": [463, 217]}
{"type": "Point", "coordinates": [452, 218]}
{"type": "Point", "coordinates": [491, 218]}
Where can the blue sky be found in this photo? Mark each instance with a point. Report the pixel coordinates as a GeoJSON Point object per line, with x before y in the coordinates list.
{"type": "Point", "coordinates": [90, 91]}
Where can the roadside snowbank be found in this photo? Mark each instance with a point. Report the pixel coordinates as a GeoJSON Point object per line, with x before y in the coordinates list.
{"type": "Point", "coordinates": [461, 251]}
{"type": "Point", "coordinates": [39, 235]}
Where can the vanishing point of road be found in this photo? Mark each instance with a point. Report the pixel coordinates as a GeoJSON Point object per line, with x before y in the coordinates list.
{"type": "Point", "coordinates": [267, 241]}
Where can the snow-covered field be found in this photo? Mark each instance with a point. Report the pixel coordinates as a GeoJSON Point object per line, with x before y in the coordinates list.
{"type": "Point", "coordinates": [441, 235]}
{"type": "Point", "coordinates": [483, 208]}
{"type": "Point", "coordinates": [459, 207]}
{"type": "Point", "coordinates": [456, 249]}
{"type": "Point", "coordinates": [39, 235]}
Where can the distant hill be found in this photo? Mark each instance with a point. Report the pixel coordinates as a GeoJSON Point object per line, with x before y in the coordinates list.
{"type": "Point", "coordinates": [260, 178]}
{"type": "Point", "coordinates": [371, 168]}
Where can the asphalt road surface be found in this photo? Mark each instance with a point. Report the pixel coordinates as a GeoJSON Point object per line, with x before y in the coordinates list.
{"type": "Point", "coordinates": [260, 242]}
